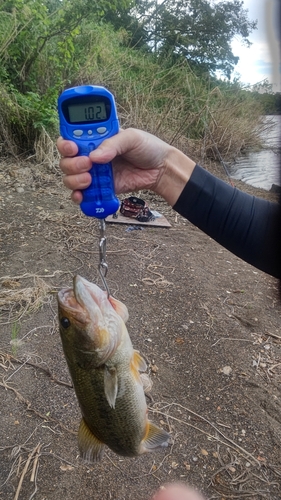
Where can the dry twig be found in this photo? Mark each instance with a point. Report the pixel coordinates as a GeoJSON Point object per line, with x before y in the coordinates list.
{"type": "Point", "coordinates": [228, 442]}
{"type": "Point", "coordinates": [25, 469]}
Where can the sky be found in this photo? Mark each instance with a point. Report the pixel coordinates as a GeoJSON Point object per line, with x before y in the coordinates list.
{"type": "Point", "coordinates": [260, 61]}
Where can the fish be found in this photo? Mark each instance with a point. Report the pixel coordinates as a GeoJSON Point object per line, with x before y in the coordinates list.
{"type": "Point", "coordinates": [108, 374]}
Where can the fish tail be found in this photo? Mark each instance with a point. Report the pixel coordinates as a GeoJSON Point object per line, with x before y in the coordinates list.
{"type": "Point", "coordinates": [154, 438]}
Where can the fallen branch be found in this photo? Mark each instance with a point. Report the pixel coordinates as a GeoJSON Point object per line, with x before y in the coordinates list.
{"type": "Point", "coordinates": [25, 469]}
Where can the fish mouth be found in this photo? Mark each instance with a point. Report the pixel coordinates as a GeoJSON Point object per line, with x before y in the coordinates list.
{"type": "Point", "coordinates": [85, 302]}
{"type": "Point", "coordinates": [69, 305]}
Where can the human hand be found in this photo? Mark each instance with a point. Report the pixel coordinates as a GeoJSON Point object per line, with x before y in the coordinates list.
{"type": "Point", "coordinates": [140, 161]}
{"type": "Point", "coordinates": [177, 492]}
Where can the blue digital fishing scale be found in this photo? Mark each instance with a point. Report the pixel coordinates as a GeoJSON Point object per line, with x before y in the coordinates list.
{"type": "Point", "coordinates": [87, 116]}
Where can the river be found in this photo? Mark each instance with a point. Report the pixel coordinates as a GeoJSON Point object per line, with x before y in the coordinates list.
{"type": "Point", "coordinates": [262, 169]}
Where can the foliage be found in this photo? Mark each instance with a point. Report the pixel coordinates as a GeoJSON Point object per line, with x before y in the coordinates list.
{"type": "Point", "coordinates": [52, 26]}
{"type": "Point", "coordinates": [37, 58]}
{"type": "Point", "coordinates": [198, 30]}
{"type": "Point", "coordinates": [270, 103]}
{"type": "Point", "coordinates": [268, 100]}
{"type": "Point", "coordinates": [47, 45]}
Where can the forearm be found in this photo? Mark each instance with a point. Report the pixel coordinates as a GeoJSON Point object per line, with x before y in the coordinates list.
{"type": "Point", "coordinates": [247, 226]}
{"type": "Point", "coordinates": [176, 173]}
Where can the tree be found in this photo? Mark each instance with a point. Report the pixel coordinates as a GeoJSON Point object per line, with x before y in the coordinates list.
{"type": "Point", "coordinates": [199, 30]}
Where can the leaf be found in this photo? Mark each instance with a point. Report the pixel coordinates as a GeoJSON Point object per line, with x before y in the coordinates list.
{"type": "Point", "coordinates": [66, 467]}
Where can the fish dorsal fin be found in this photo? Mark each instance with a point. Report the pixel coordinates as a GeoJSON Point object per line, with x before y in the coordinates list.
{"type": "Point", "coordinates": [120, 308]}
{"type": "Point", "coordinates": [91, 448]}
{"type": "Point", "coordinates": [155, 438]}
{"type": "Point", "coordinates": [110, 385]}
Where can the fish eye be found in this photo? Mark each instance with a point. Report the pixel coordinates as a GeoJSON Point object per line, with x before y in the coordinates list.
{"type": "Point", "coordinates": [65, 323]}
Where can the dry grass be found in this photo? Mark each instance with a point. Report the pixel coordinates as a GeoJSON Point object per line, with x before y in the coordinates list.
{"type": "Point", "coordinates": [172, 102]}
{"type": "Point", "coordinates": [16, 300]}
{"type": "Point", "coordinates": [46, 152]}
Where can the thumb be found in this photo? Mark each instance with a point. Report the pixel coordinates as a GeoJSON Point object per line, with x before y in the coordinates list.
{"type": "Point", "coordinates": [177, 492]}
{"type": "Point", "coordinates": [110, 148]}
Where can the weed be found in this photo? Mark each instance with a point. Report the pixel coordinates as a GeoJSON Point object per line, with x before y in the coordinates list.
{"type": "Point", "coordinates": [14, 338]}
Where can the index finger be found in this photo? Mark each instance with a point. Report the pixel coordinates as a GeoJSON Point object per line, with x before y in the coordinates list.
{"type": "Point", "coordinates": [67, 148]}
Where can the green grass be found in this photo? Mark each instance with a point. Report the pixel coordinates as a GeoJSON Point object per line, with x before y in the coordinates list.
{"type": "Point", "coordinates": [14, 338]}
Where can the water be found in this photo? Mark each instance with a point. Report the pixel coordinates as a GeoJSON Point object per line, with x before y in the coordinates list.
{"type": "Point", "coordinates": [262, 169]}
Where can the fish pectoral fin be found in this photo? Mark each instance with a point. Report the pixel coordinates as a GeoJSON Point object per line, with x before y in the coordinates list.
{"type": "Point", "coordinates": [146, 382]}
{"type": "Point", "coordinates": [110, 385]}
{"type": "Point", "coordinates": [120, 308]}
{"type": "Point", "coordinates": [91, 448]}
{"type": "Point", "coordinates": [139, 362]}
{"type": "Point", "coordinates": [137, 366]}
{"type": "Point", "coordinates": [155, 438]}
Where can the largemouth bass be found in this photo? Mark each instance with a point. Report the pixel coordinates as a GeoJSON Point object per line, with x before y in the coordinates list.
{"type": "Point", "coordinates": [106, 374]}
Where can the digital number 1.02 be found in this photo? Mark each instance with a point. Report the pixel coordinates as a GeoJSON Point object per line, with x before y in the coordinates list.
{"type": "Point", "coordinates": [94, 113]}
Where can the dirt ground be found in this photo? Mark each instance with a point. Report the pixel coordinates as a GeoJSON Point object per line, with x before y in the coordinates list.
{"type": "Point", "coordinates": [207, 323]}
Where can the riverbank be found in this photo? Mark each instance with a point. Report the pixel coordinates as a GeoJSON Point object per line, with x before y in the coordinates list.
{"type": "Point", "coordinates": [218, 170]}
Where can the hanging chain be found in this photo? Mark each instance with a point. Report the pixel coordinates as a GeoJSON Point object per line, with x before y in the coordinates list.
{"type": "Point", "coordinates": [103, 267]}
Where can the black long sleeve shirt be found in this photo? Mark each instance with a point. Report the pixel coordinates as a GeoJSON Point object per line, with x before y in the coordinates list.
{"type": "Point", "coordinates": [246, 225]}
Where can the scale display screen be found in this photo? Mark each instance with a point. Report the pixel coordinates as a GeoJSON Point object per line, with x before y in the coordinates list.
{"type": "Point", "coordinates": [87, 112]}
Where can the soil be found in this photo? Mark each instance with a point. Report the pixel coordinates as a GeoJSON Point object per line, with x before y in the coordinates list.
{"type": "Point", "coordinates": [207, 323]}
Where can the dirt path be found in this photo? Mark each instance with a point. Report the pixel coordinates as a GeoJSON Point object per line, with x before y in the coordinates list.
{"type": "Point", "coordinates": [207, 323]}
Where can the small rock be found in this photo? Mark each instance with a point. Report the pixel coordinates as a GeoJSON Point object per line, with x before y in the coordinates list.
{"type": "Point", "coordinates": [275, 189]}
{"type": "Point", "coordinates": [227, 370]}
{"type": "Point", "coordinates": [19, 190]}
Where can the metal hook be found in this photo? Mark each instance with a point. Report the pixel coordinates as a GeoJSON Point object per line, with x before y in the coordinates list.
{"type": "Point", "coordinates": [102, 275]}
{"type": "Point", "coordinates": [103, 267]}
